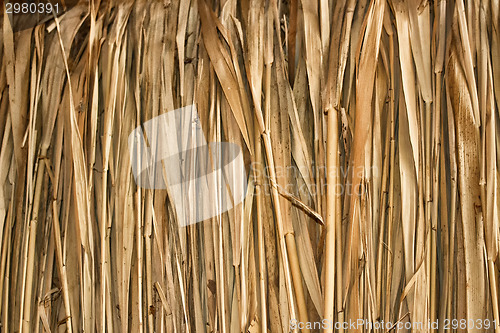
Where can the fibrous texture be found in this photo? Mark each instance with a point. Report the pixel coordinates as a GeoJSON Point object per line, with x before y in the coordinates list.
{"type": "Point", "coordinates": [369, 132]}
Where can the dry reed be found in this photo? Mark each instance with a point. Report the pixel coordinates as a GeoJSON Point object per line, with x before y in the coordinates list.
{"type": "Point", "coordinates": [370, 133]}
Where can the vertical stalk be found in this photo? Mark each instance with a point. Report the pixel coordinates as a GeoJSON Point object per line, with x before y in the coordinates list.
{"type": "Point", "coordinates": [297, 278]}
{"type": "Point", "coordinates": [494, 294]}
{"type": "Point", "coordinates": [148, 217]}
{"type": "Point", "coordinates": [391, 188]}
{"type": "Point", "coordinates": [382, 219]}
{"type": "Point", "coordinates": [339, 305]}
{"type": "Point", "coordinates": [332, 179]}
{"type": "Point", "coordinates": [435, 195]}
{"type": "Point", "coordinates": [260, 236]}
{"type": "Point", "coordinates": [432, 205]}
{"type": "Point", "coordinates": [140, 259]}
{"type": "Point", "coordinates": [439, 157]}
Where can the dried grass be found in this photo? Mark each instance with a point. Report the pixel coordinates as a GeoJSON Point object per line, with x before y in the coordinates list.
{"type": "Point", "coordinates": [386, 111]}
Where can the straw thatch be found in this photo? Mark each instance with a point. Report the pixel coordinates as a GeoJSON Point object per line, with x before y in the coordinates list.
{"type": "Point", "coordinates": [370, 136]}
